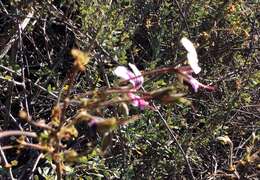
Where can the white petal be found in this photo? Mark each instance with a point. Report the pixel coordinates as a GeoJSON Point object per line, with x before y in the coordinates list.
{"type": "Point", "coordinates": [192, 54]}
{"type": "Point", "coordinates": [193, 62]}
{"type": "Point", "coordinates": [123, 73]}
{"type": "Point", "coordinates": [188, 45]}
{"type": "Point", "coordinates": [135, 70]}
{"type": "Point", "coordinates": [140, 79]}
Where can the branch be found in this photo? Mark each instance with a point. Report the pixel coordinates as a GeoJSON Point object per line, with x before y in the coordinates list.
{"type": "Point", "coordinates": [17, 133]}
{"type": "Point", "coordinates": [23, 25]}
{"type": "Point", "coordinates": [7, 165]}
{"type": "Point", "coordinates": [185, 156]}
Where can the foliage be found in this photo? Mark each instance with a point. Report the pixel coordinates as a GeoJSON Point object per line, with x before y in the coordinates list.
{"type": "Point", "coordinates": [65, 114]}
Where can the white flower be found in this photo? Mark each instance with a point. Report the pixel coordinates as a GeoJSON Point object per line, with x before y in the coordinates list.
{"type": "Point", "coordinates": [192, 55]}
{"type": "Point", "coordinates": [135, 77]}
{"type": "Point", "coordinates": [186, 71]}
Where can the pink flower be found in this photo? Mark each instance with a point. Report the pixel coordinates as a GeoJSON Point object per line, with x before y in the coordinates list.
{"type": "Point", "coordinates": [196, 84]}
{"type": "Point", "coordinates": [186, 71]}
{"type": "Point", "coordinates": [136, 79]}
{"type": "Point", "coordinates": [137, 101]}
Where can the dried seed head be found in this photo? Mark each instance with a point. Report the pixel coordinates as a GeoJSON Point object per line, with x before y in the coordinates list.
{"type": "Point", "coordinates": [23, 115]}
{"type": "Point", "coordinates": [81, 59]}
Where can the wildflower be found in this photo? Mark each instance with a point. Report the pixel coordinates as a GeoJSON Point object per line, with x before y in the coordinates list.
{"type": "Point", "coordinates": [136, 79]}
{"type": "Point", "coordinates": [186, 72]}
{"type": "Point", "coordinates": [196, 84]}
{"type": "Point", "coordinates": [192, 55]}
{"type": "Point", "coordinates": [137, 101]}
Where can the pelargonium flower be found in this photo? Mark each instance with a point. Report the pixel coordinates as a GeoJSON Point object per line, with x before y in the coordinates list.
{"type": "Point", "coordinates": [196, 84]}
{"type": "Point", "coordinates": [186, 71]}
{"type": "Point", "coordinates": [137, 101]}
{"type": "Point", "coordinates": [194, 66]}
{"type": "Point", "coordinates": [192, 55]}
{"type": "Point", "coordinates": [136, 79]}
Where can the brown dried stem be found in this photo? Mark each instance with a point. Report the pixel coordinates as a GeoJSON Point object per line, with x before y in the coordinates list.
{"type": "Point", "coordinates": [17, 133]}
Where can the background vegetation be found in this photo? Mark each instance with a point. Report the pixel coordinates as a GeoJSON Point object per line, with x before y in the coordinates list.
{"type": "Point", "coordinates": [219, 133]}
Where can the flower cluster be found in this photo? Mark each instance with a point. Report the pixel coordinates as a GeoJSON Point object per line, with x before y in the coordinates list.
{"type": "Point", "coordinates": [186, 71]}
{"type": "Point", "coordinates": [136, 79]}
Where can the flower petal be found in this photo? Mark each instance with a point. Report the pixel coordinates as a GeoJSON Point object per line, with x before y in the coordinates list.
{"type": "Point", "coordinates": [92, 122]}
{"type": "Point", "coordinates": [125, 74]}
{"type": "Point", "coordinates": [135, 77]}
{"type": "Point", "coordinates": [135, 70]}
{"type": "Point", "coordinates": [188, 45]}
{"type": "Point", "coordinates": [122, 72]}
{"type": "Point", "coordinates": [137, 101]}
{"type": "Point", "coordinates": [139, 80]}
{"type": "Point", "coordinates": [196, 84]}
{"type": "Point", "coordinates": [193, 62]}
{"type": "Point", "coordinates": [192, 54]}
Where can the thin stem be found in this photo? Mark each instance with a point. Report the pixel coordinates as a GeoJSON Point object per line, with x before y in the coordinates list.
{"type": "Point", "coordinates": [58, 170]}
{"type": "Point", "coordinates": [174, 138]}
{"type": "Point", "coordinates": [176, 141]}
{"type": "Point", "coordinates": [17, 133]}
{"type": "Point", "coordinates": [35, 146]}
{"type": "Point", "coordinates": [23, 25]}
{"type": "Point", "coordinates": [8, 166]}
{"type": "Point", "coordinates": [1, 3]}
{"type": "Point", "coordinates": [27, 80]}
{"type": "Point", "coordinates": [114, 101]}
{"type": "Point", "coordinates": [231, 155]}
{"type": "Point", "coordinates": [182, 15]}
{"type": "Point", "coordinates": [41, 125]}
{"type": "Point", "coordinates": [109, 91]}
{"type": "Point", "coordinates": [35, 165]}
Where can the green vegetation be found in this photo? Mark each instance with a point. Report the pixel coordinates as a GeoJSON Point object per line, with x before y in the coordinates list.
{"type": "Point", "coordinates": [66, 114]}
